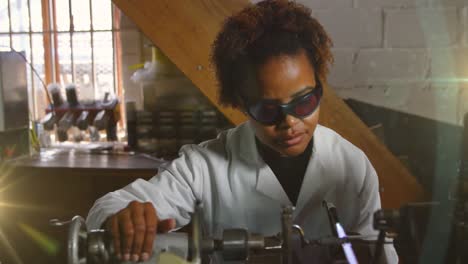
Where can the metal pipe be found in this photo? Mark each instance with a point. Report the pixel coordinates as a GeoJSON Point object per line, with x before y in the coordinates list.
{"type": "Point", "coordinates": [72, 28]}
{"type": "Point", "coordinates": [114, 65]}
{"type": "Point", "coordinates": [332, 216]}
{"type": "Point", "coordinates": [31, 59]}
{"type": "Point", "coordinates": [91, 27]}
{"type": "Point", "coordinates": [9, 21]}
{"type": "Point", "coordinates": [54, 45]}
{"type": "Point", "coordinates": [286, 232]}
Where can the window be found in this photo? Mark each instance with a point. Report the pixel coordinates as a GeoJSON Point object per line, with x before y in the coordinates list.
{"type": "Point", "coordinates": [66, 41]}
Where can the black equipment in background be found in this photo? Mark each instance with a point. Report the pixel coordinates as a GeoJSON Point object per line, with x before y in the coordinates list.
{"type": "Point", "coordinates": [410, 222]}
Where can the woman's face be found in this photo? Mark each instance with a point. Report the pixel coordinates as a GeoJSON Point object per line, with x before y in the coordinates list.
{"type": "Point", "coordinates": [284, 78]}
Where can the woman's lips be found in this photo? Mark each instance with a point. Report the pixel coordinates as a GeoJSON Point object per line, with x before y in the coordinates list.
{"type": "Point", "coordinates": [291, 141]}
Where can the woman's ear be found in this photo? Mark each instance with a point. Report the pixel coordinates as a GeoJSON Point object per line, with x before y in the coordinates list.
{"type": "Point", "coordinates": [241, 103]}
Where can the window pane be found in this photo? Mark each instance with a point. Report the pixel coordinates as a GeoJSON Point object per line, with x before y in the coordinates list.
{"type": "Point", "coordinates": [4, 22]}
{"type": "Point", "coordinates": [64, 54]}
{"type": "Point", "coordinates": [103, 56]}
{"type": "Point", "coordinates": [38, 63]}
{"type": "Point", "coordinates": [62, 15]}
{"type": "Point", "coordinates": [21, 43]}
{"type": "Point", "coordinates": [36, 15]}
{"type": "Point", "coordinates": [19, 15]}
{"type": "Point", "coordinates": [38, 55]}
{"type": "Point", "coordinates": [83, 69]}
{"type": "Point", "coordinates": [102, 15]}
{"type": "Point", "coordinates": [4, 42]}
{"type": "Point", "coordinates": [81, 16]}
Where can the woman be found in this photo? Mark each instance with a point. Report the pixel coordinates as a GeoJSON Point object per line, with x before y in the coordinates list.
{"type": "Point", "coordinates": [271, 60]}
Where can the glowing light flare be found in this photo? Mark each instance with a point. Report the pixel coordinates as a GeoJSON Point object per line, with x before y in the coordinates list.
{"type": "Point", "coordinates": [25, 207]}
{"type": "Point", "coordinates": [348, 250]}
{"type": "Point", "coordinates": [48, 244]}
{"type": "Point", "coordinates": [5, 171]}
{"type": "Point", "coordinates": [9, 248]}
{"type": "Point", "coordinates": [449, 80]}
{"type": "Point", "coordinates": [11, 184]}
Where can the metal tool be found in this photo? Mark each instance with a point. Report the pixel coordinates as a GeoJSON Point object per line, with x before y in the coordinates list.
{"type": "Point", "coordinates": [332, 216]}
{"type": "Point", "coordinates": [236, 244]}
{"type": "Point", "coordinates": [338, 231]}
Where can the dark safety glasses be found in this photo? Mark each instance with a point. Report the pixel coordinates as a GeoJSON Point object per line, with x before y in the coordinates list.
{"type": "Point", "coordinates": [270, 112]}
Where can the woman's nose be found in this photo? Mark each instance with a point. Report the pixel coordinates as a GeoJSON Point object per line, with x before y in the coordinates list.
{"type": "Point", "coordinates": [288, 121]}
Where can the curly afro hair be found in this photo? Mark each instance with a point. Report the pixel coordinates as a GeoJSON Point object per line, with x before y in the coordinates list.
{"type": "Point", "coordinates": [261, 31]}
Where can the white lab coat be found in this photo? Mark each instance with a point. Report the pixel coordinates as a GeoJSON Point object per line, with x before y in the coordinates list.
{"type": "Point", "coordinates": [238, 190]}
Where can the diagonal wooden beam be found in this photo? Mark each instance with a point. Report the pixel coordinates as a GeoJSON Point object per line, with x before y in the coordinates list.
{"type": "Point", "coordinates": [185, 29]}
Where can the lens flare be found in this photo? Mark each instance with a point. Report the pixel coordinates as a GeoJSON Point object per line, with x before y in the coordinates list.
{"type": "Point", "coordinates": [49, 245]}
{"type": "Point", "coordinates": [9, 248]}
{"type": "Point", "coordinates": [26, 207]}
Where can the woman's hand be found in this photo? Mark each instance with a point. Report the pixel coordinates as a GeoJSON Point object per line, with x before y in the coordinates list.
{"type": "Point", "coordinates": [134, 229]}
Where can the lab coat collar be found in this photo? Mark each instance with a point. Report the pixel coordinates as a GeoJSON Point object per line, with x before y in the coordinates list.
{"type": "Point", "coordinates": [247, 145]}
{"type": "Point", "coordinates": [267, 183]}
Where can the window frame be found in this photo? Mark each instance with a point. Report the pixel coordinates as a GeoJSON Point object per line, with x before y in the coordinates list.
{"type": "Point", "coordinates": [50, 45]}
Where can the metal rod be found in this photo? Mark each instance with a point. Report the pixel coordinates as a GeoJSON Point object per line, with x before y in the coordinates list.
{"type": "Point", "coordinates": [114, 65]}
{"type": "Point", "coordinates": [54, 46]}
{"type": "Point", "coordinates": [332, 216]}
{"type": "Point", "coordinates": [46, 39]}
{"type": "Point", "coordinates": [379, 247]}
{"type": "Point", "coordinates": [9, 26]}
{"type": "Point", "coordinates": [52, 24]}
{"type": "Point", "coordinates": [286, 233]}
{"type": "Point", "coordinates": [31, 59]}
{"type": "Point", "coordinates": [91, 26]}
{"type": "Point", "coordinates": [118, 66]}
{"type": "Point", "coordinates": [72, 28]}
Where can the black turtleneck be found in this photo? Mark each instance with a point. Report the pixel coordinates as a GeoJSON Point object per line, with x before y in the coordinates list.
{"type": "Point", "coordinates": [289, 170]}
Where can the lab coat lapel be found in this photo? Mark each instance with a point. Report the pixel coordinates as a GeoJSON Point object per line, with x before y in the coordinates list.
{"type": "Point", "coordinates": [312, 182]}
{"type": "Point", "coordinates": [317, 182]}
{"type": "Point", "coordinates": [267, 183]}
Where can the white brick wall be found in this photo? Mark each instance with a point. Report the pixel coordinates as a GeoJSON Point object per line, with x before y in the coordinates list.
{"type": "Point", "coordinates": [465, 25]}
{"type": "Point", "coordinates": [341, 73]}
{"type": "Point", "coordinates": [422, 27]}
{"type": "Point", "coordinates": [449, 63]}
{"type": "Point", "coordinates": [434, 101]}
{"type": "Point", "coordinates": [322, 4]}
{"type": "Point", "coordinates": [352, 27]}
{"type": "Point", "coordinates": [463, 97]}
{"type": "Point", "coordinates": [407, 55]}
{"type": "Point", "coordinates": [459, 3]}
{"type": "Point", "coordinates": [394, 96]}
{"type": "Point", "coordinates": [390, 3]}
{"type": "Point", "coordinates": [380, 66]}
